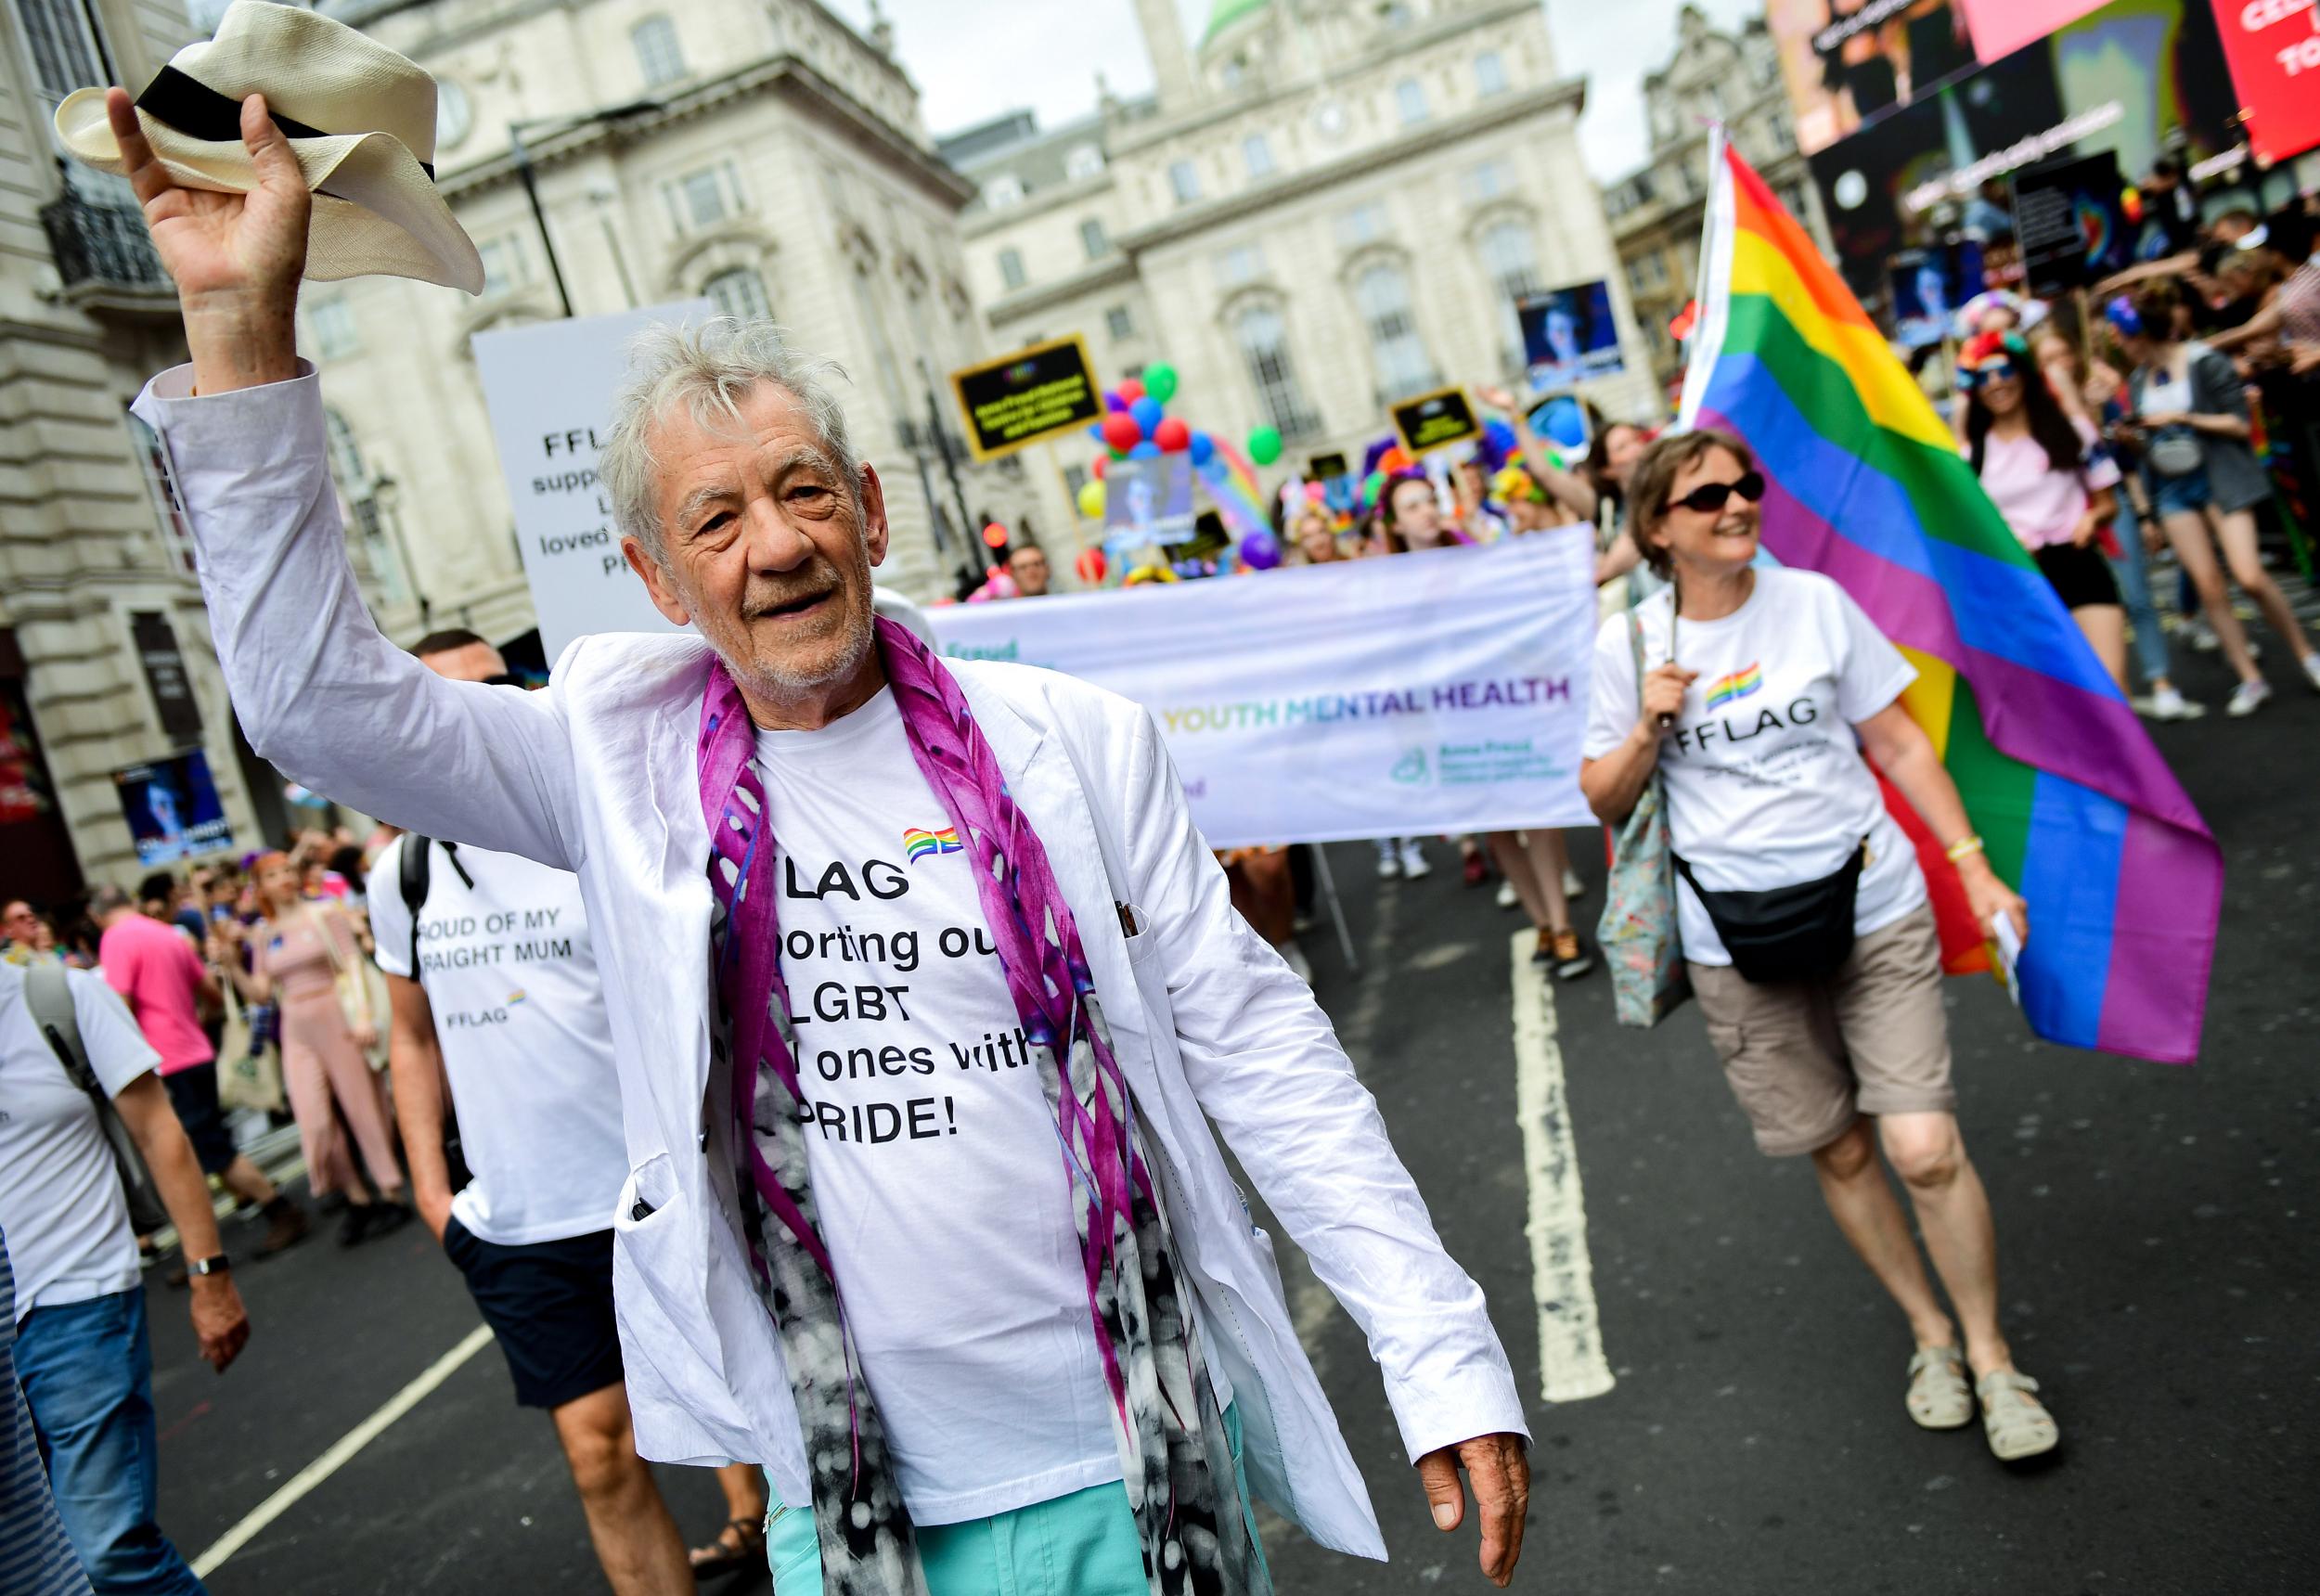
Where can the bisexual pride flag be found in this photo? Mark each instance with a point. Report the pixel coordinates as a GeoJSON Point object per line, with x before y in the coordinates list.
{"type": "Point", "coordinates": [1866, 486]}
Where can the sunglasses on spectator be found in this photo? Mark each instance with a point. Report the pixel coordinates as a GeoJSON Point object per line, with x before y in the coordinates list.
{"type": "Point", "coordinates": [1995, 371]}
{"type": "Point", "coordinates": [1709, 498]}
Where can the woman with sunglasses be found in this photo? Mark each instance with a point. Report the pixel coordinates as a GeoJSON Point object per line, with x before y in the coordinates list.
{"type": "Point", "coordinates": [2191, 420]}
{"type": "Point", "coordinates": [2050, 479]}
{"type": "Point", "coordinates": [1803, 915]}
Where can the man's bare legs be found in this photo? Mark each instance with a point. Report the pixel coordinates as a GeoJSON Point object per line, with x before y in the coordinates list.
{"type": "Point", "coordinates": [635, 1539]}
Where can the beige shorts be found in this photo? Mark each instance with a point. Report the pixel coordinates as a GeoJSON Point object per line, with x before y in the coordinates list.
{"type": "Point", "coordinates": [1805, 1058]}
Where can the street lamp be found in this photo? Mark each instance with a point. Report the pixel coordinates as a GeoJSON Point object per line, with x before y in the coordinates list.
{"type": "Point", "coordinates": [384, 490]}
{"type": "Point", "coordinates": [523, 158]}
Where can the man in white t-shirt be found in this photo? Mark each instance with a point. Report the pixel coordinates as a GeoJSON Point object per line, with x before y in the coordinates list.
{"type": "Point", "coordinates": [496, 997]}
{"type": "Point", "coordinates": [81, 1355]}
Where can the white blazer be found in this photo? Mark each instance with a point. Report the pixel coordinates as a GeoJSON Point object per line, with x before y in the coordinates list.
{"type": "Point", "coordinates": [598, 775]}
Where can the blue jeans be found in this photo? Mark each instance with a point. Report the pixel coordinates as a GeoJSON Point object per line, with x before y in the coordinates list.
{"type": "Point", "coordinates": [87, 1373]}
{"type": "Point", "coordinates": [2134, 592]}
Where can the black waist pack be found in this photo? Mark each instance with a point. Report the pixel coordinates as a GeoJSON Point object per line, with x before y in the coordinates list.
{"type": "Point", "coordinates": [1801, 933]}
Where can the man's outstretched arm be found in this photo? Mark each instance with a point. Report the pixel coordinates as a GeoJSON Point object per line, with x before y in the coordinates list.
{"type": "Point", "coordinates": [320, 692]}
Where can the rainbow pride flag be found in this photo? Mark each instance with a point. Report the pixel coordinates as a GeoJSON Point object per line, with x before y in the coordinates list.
{"type": "Point", "coordinates": [919, 843]}
{"type": "Point", "coordinates": [2122, 879]}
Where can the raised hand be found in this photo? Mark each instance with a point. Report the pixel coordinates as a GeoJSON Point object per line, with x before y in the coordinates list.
{"type": "Point", "coordinates": [236, 258]}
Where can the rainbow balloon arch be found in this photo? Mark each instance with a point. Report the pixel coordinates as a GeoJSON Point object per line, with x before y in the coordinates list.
{"type": "Point", "coordinates": [1137, 425]}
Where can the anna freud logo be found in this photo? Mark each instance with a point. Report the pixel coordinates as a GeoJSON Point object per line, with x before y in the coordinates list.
{"type": "Point", "coordinates": [1411, 769]}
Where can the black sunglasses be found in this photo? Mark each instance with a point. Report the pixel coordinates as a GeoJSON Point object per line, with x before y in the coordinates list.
{"type": "Point", "coordinates": [1709, 498]}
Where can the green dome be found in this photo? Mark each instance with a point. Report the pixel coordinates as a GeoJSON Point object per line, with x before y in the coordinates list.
{"type": "Point", "coordinates": [1222, 14]}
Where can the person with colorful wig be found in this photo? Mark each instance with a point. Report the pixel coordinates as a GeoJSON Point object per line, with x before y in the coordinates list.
{"type": "Point", "coordinates": [924, 993]}
{"type": "Point", "coordinates": [2050, 477]}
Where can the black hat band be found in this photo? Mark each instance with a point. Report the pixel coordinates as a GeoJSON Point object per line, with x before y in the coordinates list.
{"type": "Point", "coordinates": [200, 111]}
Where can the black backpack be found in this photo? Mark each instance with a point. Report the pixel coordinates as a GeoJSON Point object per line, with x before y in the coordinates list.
{"type": "Point", "coordinates": [412, 876]}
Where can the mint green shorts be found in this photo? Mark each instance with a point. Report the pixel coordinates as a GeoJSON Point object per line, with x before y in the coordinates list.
{"type": "Point", "coordinates": [1084, 1544]}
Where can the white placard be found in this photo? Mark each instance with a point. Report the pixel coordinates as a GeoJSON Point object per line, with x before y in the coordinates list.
{"type": "Point", "coordinates": [549, 388]}
{"type": "Point", "coordinates": [1412, 695]}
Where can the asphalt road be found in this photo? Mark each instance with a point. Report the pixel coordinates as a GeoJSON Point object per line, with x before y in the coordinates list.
{"type": "Point", "coordinates": [2155, 1228]}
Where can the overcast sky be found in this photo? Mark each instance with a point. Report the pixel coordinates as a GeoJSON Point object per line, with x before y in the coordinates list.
{"type": "Point", "coordinates": [968, 69]}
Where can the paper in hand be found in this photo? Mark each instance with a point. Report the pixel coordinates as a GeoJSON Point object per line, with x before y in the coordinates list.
{"type": "Point", "coordinates": [2009, 947]}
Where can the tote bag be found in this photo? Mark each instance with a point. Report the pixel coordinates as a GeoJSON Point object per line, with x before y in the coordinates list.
{"type": "Point", "coordinates": [1638, 929]}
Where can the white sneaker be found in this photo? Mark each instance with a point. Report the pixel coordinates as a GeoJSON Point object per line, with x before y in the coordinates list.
{"type": "Point", "coordinates": [2168, 703]}
{"type": "Point", "coordinates": [2248, 697]}
{"type": "Point", "coordinates": [2201, 636]}
{"type": "Point", "coordinates": [1507, 897]}
{"type": "Point", "coordinates": [1573, 888]}
{"type": "Point", "coordinates": [1413, 865]}
{"type": "Point", "coordinates": [1389, 863]}
{"type": "Point", "coordinates": [2312, 671]}
{"type": "Point", "coordinates": [1293, 957]}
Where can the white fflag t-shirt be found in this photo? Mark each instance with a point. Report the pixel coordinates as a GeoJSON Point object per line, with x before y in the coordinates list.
{"type": "Point", "coordinates": [61, 1201]}
{"type": "Point", "coordinates": [1766, 784]}
{"type": "Point", "coordinates": [519, 1013]}
{"type": "Point", "coordinates": [936, 1172]}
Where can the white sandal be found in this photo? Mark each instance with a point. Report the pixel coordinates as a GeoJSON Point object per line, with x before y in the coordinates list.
{"type": "Point", "coordinates": [2017, 1423]}
{"type": "Point", "coordinates": [1938, 1396]}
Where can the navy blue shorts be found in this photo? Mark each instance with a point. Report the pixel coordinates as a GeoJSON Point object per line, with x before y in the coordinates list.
{"type": "Point", "coordinates": [193, 1093]}
{"type": "Point", "coordinates": [551, 1304]}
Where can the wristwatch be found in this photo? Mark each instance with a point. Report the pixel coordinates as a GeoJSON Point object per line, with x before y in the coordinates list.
{"type": "Point", "coordinates": [215, 1264]}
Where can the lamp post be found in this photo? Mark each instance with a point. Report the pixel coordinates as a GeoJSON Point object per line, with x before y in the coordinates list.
{"type": "Point", "coordinates": [522, 155]}
{"type": "Point", "coordinates": [384, 490]}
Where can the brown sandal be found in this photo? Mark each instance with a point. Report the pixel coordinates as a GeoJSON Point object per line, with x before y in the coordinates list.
{"type": "Point", "coordinates": [721, 1557]}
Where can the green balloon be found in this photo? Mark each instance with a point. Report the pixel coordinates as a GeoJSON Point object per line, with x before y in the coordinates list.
{"type": "Point", "coordinates": [1264, 445]}
{"type": "Point", "coordinates": [1160, 381]}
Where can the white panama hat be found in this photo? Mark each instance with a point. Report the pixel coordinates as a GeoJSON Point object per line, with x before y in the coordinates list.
{"type": "Point", "coordinates": [359, 118]}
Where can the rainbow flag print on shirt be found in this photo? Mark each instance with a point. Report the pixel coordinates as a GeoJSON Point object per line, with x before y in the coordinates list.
{"type": "Point", "coordinates": [2077, 810]}
{"type": "Point", "coordinates": [917, 844]}
{"type": "Point", "coordinates": [1738, 685]}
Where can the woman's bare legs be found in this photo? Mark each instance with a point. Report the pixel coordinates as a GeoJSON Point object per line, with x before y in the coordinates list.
{"type": "Point", "coordinates": [2188, 532]}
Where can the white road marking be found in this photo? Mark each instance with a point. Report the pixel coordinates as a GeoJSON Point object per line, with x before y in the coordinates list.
{"type": "Point", "coordinates": [341, 1451]}
{"type": "Point", "coordinates": [1572, 1363]}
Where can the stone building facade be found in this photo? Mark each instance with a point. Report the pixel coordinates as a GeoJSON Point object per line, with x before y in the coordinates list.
{"type": "Point", "coordinates": [105, 653]}
{"type": "Point", "coordinates": [1324, 207]}
{"type": "Point", "coordinates": [757, 153]}
{"type": "Point", "coordinates": [1657, 209]}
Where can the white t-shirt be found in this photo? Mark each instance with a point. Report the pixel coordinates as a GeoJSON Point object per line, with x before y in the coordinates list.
{"type": "Point", "coordinates": [61, 1201]}
{"type": "Point", "coordinates": [519, 1013]}
{"type": "Point", "coordinates": [936, 1172]}
{"type": "Point", "coordinates": [1766, 785]}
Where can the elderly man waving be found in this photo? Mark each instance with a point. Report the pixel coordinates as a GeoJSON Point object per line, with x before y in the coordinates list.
{"type": "Point", "coordinates": [924, 987]}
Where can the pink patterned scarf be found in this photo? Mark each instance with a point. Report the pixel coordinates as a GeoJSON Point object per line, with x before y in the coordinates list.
{"type": "Point", "coordinates": [1174, 1457]}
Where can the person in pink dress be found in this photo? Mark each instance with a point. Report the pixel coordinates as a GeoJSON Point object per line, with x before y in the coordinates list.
{"type": "Point", "coordinates": [295, 953]}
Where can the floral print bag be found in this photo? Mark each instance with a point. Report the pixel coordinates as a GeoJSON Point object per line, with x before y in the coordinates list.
{"type": "Point", "coordinates": [1638, 929]}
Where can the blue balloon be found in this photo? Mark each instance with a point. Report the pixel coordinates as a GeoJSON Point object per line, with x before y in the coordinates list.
{"type": "Point", "coordinates": [1147, 412]}
{"type": "Point", "coordinates": [1147, 450]}
{"type": "Point", "coordinates": [1095, 430]}
{"type": "Point", "coordinates": [1565, 425]}
{"type": "Point", "coordinates": [1203, 448]}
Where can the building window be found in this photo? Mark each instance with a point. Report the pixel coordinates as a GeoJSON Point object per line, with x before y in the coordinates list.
{"type": "Point", "coordinates": [357, 493]}
{"type": "Point", "coordinates": [1488, 181]}
{"type": "Point", "coordinates": [506, 268]}
{"type": "Point", "coordinates": [176, 533]}
{"type": "Point", "coordinates": [1264, 341]}
{"type": "Point", "coordinates": [1010, 269]}
{"type": "Point", "coordinates": [332, 323]}
{"type": "Point", "coordinates": [1394, 14]}
{"type": "Point", "coordinates": [658, 57]}
{"type": "Point", "coordinates": [1075, 478]}
{"type": "Point", "coordinates": [739, 293]}
{"type": "Point", "coordinates": [1083, 161]}
{"type": "Point", "coordinates": [1383, 295]}
{"type": "Point", "coordinates": [1511, 257]}
{"type": "Point", "coordinates": [1362, 225]}
{"type": "Point", "coordinates": [1093, 239]}
{"type": "Point", "coordinates": [1410, 100]}
{"type": "Point", "coordinates": [1490, 72]}
{"type": "Point", "coordinates": [1119, 322]}
{"type": "Point", "coordinates": [703, 199]}
{"type": "Point", "coordinates": [61, 37]}
{"type": "Point", "coordinates": [1257, 154]}
{"type": "Point", "coordinates": [1184, 182]}
{"type": "Point", "coordinates": [1002, 191]}
{"type": "Point", "coordinates": [1242, 263]}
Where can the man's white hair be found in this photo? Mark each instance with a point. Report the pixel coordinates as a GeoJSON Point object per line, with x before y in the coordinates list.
{"type": "Point", "coordinates": [709, 369]}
